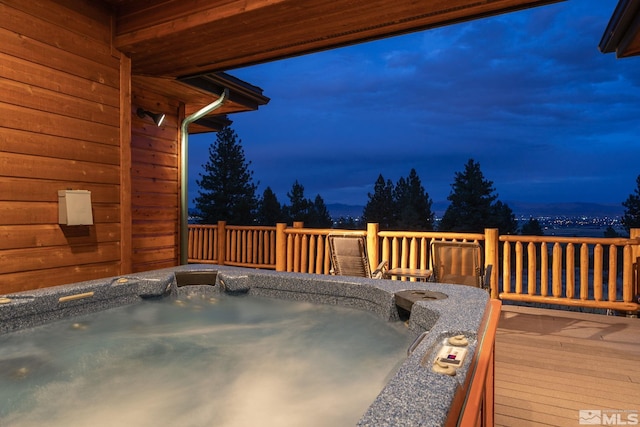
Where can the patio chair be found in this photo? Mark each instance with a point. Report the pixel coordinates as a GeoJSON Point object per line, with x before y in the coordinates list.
{"type": "Point", "coordinates": [459, 263]}
{"type": "Point", "coordinates": [349, 257]}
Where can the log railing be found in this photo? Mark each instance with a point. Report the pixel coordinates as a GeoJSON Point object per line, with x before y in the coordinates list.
{"type": "Point", "coordinates": [580, 272]}
{"type": "Point", "coordinates": [239, 245]}
{"type": "Point", "coordinates": [583, 272]}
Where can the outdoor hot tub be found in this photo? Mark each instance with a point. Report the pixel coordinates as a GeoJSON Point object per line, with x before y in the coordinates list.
{"type": "Point", "coordinates": [121, 351]}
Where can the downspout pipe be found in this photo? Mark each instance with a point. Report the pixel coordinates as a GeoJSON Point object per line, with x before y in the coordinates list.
{"type": "Point", "coordinates": [184, 172]}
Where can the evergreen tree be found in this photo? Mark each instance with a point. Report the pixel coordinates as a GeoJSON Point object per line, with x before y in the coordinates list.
{"type": "Point", "coordinates": [269, 209]}
{"type": "Point", "coordinates": [227, 191]}
{"type": "Point", "coordinates": [381, 207]}
{"type": "Point", "coordinates": [611, 232]}
{"type": "Point", "coordinates": [413, 205]}
{"type": "Point", "coordinates": [472, 207]}
{"type": "Point", "coordinates": [318, 215]}
{"type": "Point", "coordinates": [298, 209]}
{"type": "Point", "coordinates": [631, 217]}
{"type": "Point", "coordinates": [532, 228]}
{"type": "Point", "coordinates": [502, 218]}
{"type": "Point", "coordinates": [471, 198]}
{"type": "Point", "coordinates": [314, 213]}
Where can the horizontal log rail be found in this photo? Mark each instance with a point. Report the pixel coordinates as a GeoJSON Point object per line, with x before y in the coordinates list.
{"type": "Point", "coordinates": [585, 272]}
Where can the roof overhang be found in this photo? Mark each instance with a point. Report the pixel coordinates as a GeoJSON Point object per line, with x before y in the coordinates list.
{"type": "Point", "coordinates": [622, 34]}
{"type": "Point", "coordinates": [199, 91]}
{"type": "Point", "coordinates": [176, 38]}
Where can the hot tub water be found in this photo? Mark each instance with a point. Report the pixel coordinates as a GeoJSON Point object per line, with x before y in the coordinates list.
{"type": "Point", "coordinates": [223, 361]}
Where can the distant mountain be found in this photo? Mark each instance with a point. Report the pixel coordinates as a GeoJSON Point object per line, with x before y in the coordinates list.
{"type": "Point", "coordinates": [520, 209]}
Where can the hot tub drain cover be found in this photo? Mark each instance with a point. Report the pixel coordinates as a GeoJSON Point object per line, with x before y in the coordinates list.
{"type": "Point", "coordinates": [405, 299]}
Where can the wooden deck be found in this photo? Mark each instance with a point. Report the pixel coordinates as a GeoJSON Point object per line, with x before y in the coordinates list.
{"type": "Point", "coordinates": [550, 364]}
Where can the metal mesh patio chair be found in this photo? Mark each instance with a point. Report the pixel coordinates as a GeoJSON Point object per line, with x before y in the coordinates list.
{"type": "Point", "coordinates": [349, 257]}
{"type": "Point", "coordinates": [459, 263]}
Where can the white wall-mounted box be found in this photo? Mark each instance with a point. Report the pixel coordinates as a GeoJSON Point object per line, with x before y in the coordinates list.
{"type": "Point", "coordinates": [74, 207]}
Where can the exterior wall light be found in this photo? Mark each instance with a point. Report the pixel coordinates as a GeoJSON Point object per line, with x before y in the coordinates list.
{"type": "Point", "coordinates": [157, 118]}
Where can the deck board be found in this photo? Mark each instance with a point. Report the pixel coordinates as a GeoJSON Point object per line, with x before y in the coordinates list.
{"type": "Point", "coordinates": [550, 364]}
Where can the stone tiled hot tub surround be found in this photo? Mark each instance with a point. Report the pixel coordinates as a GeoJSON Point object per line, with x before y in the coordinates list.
{"type": "Point", "coordinates": [414, 396]}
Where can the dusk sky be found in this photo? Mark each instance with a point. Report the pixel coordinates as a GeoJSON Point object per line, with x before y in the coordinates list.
{"type": "Point", "coordinates": [528, 95]}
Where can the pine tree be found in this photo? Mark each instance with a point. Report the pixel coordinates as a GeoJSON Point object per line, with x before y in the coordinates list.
{"type": "Point", "coordinates": [413, 204]}
{"type": "Point", "coordinates": [471, 199]}
{"type": "Point", "coordinates": [298, 209]}
{"type": "Point", "coordinates": [532, 228]}
{"type": "Point", "coordinates": [381, 207]}
{"type": "Point", "coordinates": [269, 209]}
{"type": "Point", "coordinates": [631, 216]}
{"type": "Point", "coordinates": [318, 215]}
{"type": "Point", "coordinates": [502, 218]}
{"type": "Point", "coordinates": [611, 232]}
{"type": "Point", "coordinates": [227, 191]}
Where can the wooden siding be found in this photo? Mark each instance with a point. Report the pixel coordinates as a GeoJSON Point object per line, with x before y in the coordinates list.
{"type": "Point", "coordinates": [59, 129]}
{"type": "Point", "coordinates": [155, 183]}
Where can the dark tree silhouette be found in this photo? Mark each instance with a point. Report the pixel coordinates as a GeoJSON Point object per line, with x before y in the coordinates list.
{"type": "Point", "coordinates": [472, 207]}
{"type": "Point", "coordinates": [532, 228]}
{"type": "Point", "coordinates": [631, 216]}
{"type": "Point", "coordinates": [269, 209]}
{"type": "Point", "coordinates": [502, 218]}
{"type": "Point", "coordinates": [298, 206]}
{"type": "Point", "coordinates": [471, 198]}
{"type": "Point", "coordinates": [227, 191]}
{"type": "Point", "coordinates": [318, 215]}
{"type": "Point", "coordinates": [611, 232]}
{"type": "Point", "coordinates": [381, 206]}
{"type": "Point", "coordinates": [413, 204]}
{"type": "Point", "coordinates": [314, 213]}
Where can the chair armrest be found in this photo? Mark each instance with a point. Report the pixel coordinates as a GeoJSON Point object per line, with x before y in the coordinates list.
{"type": "Point", "coordinates": [378, 273]}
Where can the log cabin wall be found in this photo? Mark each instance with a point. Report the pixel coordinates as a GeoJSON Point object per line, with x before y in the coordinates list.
{"type": "Point", "coordinates": [60, 128]}
{"type": "Point", "coordinates": [66, 122]}
{"type": "Point", "coordinates": [155, 182]}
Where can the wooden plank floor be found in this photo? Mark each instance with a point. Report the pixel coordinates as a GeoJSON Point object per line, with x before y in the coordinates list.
{"type": "Point", "coordinates": [550, 364]}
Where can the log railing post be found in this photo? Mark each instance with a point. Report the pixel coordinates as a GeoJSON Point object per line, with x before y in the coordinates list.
{"type": "Point", "coordinates": [491, 243]}
{"type": "Point", "coordinates": [634, 233]}
{"type": "Point", "coordinates": [294, 253]}
{"type": "Point", "coordinates": [373, 248]}
{"type": "Point", "coordinates": [281, 247]}
{"type": "Point", "coordinates": [222, 242]}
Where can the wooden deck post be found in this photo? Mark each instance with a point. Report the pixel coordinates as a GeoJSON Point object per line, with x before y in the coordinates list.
{"type": "Point", "coordinates": [491, 257]}
{"type": "Point", "coordinates": [634, 233]}
{"type": "Point", "coordinates": [222, 242]}
{"type": "Point", "coordinates": [281, 247]}
{"type": "Point", "coordinates": [373, 248]}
